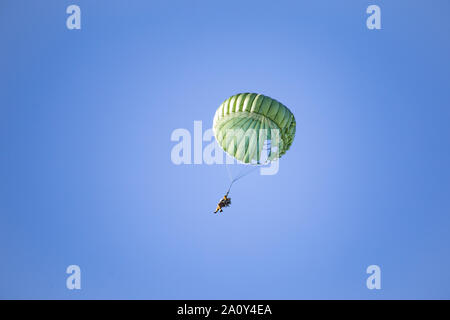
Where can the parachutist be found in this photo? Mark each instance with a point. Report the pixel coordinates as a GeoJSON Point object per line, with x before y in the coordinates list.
{"type": "Point", "coordinates": [224, 202]}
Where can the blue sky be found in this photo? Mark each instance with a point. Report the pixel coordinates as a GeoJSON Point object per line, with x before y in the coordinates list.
{"type": "Point", "coordinates": [86, 176]}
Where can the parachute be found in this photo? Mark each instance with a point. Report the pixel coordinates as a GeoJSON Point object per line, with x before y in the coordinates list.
{"type": "Point", "coordinates": [253, 128]}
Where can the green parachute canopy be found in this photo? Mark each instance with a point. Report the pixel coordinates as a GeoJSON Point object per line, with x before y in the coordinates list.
{"type": "Point", "coordinates": [253, 128]}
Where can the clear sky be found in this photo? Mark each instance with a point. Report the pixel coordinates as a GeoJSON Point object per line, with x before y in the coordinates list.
{"type": "Point", "coordinates": [86, 176]}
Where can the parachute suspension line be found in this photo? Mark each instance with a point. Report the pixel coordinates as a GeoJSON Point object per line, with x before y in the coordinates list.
{"type": "Point", "coordinates": [240, 176]}
{"type": "Point", "coordinates": [245, 172]}
{"type": "Point", "coordinates": [228, 170]}
{"type": "Point", "coordinates": [229, 188]}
